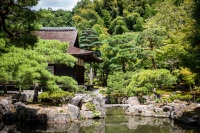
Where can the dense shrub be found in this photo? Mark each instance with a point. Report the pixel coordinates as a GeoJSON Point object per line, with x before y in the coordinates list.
{"type": "Point", "coordinates": [56, 98]}
{"type": "Point", "coordinates": [198, 100]}
{"type": "Point", "coordinates": [118, 81]}
{"type": "Point", "coordinates": [164, 99]}
{"type": "Point", "coordinates": [147, 80]}
{"type": "Point", "coordinates": [181, 97]}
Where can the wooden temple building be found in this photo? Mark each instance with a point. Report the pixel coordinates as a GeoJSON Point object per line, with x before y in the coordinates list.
{"type": "Point", "coordinates": [70, 35]}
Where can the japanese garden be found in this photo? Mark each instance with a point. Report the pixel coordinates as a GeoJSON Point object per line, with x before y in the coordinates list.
{"type": "Point", "coordinates": [106, 66]}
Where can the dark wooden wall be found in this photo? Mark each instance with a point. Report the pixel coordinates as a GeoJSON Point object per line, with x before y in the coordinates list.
{"type": "Point", "coordinates": [77, 72]}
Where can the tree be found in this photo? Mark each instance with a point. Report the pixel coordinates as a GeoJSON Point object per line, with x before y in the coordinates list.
{"type": "Point", "coordinates": [89, 39]}
{"type": "Point", "coordinates": [86, 18]}
{"type": "Point", "coordinates": [147, 80]}
{"type": "Point", "coordinates": [58, 18]}
{"type": "Point", "coordinates": [151, 40]}
{"type": "Point", "coordinates": [118, 26]}
{"type": "Point", "coordinates": [117, 83]}
{"type": "Point", "coordinates": [30, 66]}
{"type": "Point", "coordinates": [106, 17]}
{"type": "Point", "coordinates": [17, 21]}
{"type": "Point", "coordinates": [118, 55]}
{"type": "Point", "coordinates": [121, 50]}
{"type": "Point", "coordinates": [186, 75]}
{"type": "Point", "coordinates": [101, 31]}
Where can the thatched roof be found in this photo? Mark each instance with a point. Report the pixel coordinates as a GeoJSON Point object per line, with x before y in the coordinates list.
{"type": "Point", "coordinates": [70, 35]}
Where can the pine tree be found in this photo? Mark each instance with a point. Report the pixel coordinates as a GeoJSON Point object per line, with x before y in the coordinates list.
{"type": "Point", "coordinates": [89, 39]}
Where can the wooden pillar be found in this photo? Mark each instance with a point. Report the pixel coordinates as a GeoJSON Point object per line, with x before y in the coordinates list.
{"type": "Point", "coordinates": [91, 73]}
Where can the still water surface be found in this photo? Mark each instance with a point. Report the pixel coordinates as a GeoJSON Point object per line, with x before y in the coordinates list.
{"type": "Point", "coordinates": [115, 122]}
{"type": "Point", "coordinates": [111, 124]}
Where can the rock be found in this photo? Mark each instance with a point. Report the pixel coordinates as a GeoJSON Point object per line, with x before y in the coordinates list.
{"type": "Point", "coordinates": [23, 98]}
{"type": "Point", "coordinates": [147, 111]}
{"type": "Point", "coordinates": [84, 106]}
{"type": "Point", "coordinates": [87, 98]}
{"type": "Point", "coordinates": [9, 117]}
{"type": "Point", "coordinates": [172, 115]}
{"type": "Point", "coordinates": [90, 102]}
{"type": "Point", "coordinates": [133, 101]}
{"type": "Point", "coordinates": [196, 117]}
{"type": "Point", "coordinates": [9, 129]}
{"type": "Point", "coordinates": [167, 108]}
{"type": "Point", "coordinates": [190, 121]}
{"type": "Point", "coordinates": [107, 100]}
{"type": "Point", "coordinates": [74, 112]}
{"type": "Point", "coordinates": [76, 100]}
{"type": "Point", "coordinates": [183, 106]}
{"type": "Point", "coordinates": [87, 114]}
{"type": "Point", "coordinates": [5, 106]}
{"type": "Point", "coordinates": [99, 102]}
{"type": "Point", "coordinates": [61, 118]}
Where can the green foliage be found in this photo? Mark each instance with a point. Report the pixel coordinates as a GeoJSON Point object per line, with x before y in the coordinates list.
{"type": "Point", "coordinates": [89, 39]}
{"type": "Point", "coordinates": [90, 106]}
{"type": "Point", "coordinates": [186, 75]}
{"type": "Point", "coordinates": [17, 22]}
{"type": "Point", "coordinates": [150, 41]}
{"type": "Point", "coordinates": [56, 98]}
{"type": "Point", "coordinates": [120, 52]}
{"type": "Point", "coordinates": [27, 67]}
{"type": "Point", "coordinates": [58, 18]}
{"type": "Point", "coordinates": [147, 80]}
{"type": "Point", "coordinates": [107, 18]}
{"type": "Point", "coordinates": [118, 82]}
{"type": "Point", "coordinates": [181, 97]}
{"type": "Point", "coordinates": [164, 99]}
{"type": "Point", "coordinates": [96, 114]}
{"type": "Point", "coordinates": [118, 26]}
{"type": "Point", "coordinates": [86, 18]}
{"type": "Point", "coordinates": [67, 83]}
{"type": "Point", "coordinates": [198, 100]}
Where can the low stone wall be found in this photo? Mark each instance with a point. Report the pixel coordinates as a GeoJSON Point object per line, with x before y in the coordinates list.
{"type": "Point", "coordinates": [176, 111]}
{"type": "Point", "coordinates": [82, 106]}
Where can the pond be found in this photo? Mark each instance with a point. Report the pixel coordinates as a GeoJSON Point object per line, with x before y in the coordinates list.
{"type": "Point", "coordinates": [115, 122]}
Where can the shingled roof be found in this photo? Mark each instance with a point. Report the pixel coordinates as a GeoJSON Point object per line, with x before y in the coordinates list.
{"type": "Point", "coordinates": [68, 34]}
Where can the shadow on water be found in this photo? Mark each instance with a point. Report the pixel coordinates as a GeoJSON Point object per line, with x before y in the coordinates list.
{"type": "Point", "coordinates": [115, 122]}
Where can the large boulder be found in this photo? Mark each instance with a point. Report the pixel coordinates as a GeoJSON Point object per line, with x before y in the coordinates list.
{"type": "Point", "coordinates": [6, 107]}
{"type": "Point", "coordinates": [44, 115]}
{"type": "Point", "coordinates": [86, 114]}
{"type": "Point", "coordinates": [91, 105]}
{"type": "Point", "coordinates": [77, 100]}
{"type": "Point", "coordinates": [74, 112]}
{"type": "Point", "coordinates": [133, 101]}
{"type": "Point", "coordinates": [147, 111]}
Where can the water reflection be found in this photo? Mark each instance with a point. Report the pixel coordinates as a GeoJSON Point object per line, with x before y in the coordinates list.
{"type": "Point", "coordinates": [111, 124]}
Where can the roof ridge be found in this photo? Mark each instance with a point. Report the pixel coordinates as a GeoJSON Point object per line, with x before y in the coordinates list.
{"type": "Point", "coordinates": [58, 29]}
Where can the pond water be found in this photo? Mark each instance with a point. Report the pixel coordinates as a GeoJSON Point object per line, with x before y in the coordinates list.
{"type": "Point", "coordinates": [115, 122]}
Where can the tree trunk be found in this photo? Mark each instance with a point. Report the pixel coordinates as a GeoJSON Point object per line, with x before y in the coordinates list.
{"type": "Point", "coordinates": [35, 95]}
{"type": "Point", "coordinates": [91, 74]}
{"type": "Point", "coordinates": [123, 66]}
{"type": "Point", "coordinates": [106, 78]}
{"type": "Point", "coordinates": [152, 59]}
{"type": "Point", "coordinates": [154, 63]}
{"type": "Point", "coordinates": [4, 88]}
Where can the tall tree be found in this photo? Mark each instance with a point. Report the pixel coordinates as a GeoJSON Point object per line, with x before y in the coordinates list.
{"type": "Point", "coordinates": [89, 39]}
{"type": "Point", "coordinates": [150, 40]}
{"type": "Point", "coordinates": [17, 21]}
{"type": "Point", "coordinates": [58, 18]}
{"type": "Point", "coordinates": [118, 26]}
